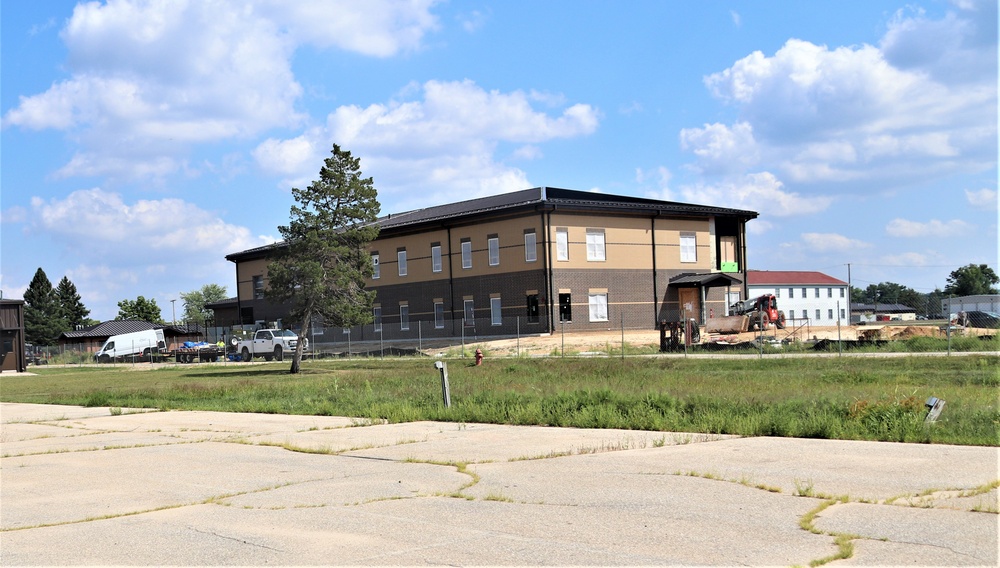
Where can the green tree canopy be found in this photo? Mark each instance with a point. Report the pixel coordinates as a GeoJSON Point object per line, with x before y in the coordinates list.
{"type": "Point", "coordinates": [322, 269]}
{"type": "Point", "coordinates": [43, 321]}
{"type": "Point", "coordinates": [139, 309]}
{"type": "Point", "coordinates": [972, 280]}
{"type": "Point", "coordinates": [71, 307]}
{"type": "Point", "coordinates": [195, 300]}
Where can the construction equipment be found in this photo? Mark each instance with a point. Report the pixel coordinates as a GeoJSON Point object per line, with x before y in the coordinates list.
{"type": "Point", "coordinates": [761, 311]}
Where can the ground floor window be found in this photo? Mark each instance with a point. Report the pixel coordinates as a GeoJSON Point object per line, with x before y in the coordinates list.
{"type": "Point", "coordinates": [565, 307]}
{"type": "Point", "coordinates": [469, 313]}
{"type": "Point", "coordinates": [378, 318]}
{"type": "Point", "coordinates": [532, 308]}
{"type": "Point", "coordinates": [438, 315]}
{"type": "Point", "coordinates": [598, 307]}
{"type": "Point", "coordinates": [496, 315]}
{"type": "Point", "coordinates": [404, 317]}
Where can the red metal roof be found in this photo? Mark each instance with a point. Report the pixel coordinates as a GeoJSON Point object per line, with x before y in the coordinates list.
{"type": "Point", "coordinates": [790, 278]}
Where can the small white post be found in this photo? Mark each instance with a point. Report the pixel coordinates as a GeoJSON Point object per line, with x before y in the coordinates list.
{"type": "Point", "coordinates": [445, 390]}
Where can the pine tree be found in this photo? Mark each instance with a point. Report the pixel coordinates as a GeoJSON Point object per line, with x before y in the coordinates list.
{"type": "Point", "coordinates": [42, 319]}
{"type": "Point", "coordinates": [71, 307]}
{"type": "Point", "coordinates": [322, 269]}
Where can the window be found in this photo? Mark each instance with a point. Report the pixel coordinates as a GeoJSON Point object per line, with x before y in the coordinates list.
{"type": "Point", "coordinates": [469, 314]}
{"type": "Point", "coordinates": [466, 253]}
{"type": "Point", "coordinates": [496, 315]}
{"type": "Point", "coordinates": [436, 258]}
{"type": "Point", "coordinates": [595, 245]}
{"type": "Point", "coordinates": [804, 295]}
{"type": "Point", "coordinates": [532, 302]}
{"type": "Point", "coordinates": [565, 308]}
{"type": "Point", "coordinates": [438, 315]}
{"type": "Point", "coordinates": [530, 247]}
{"type": "Point", "coordinates": [842, 313]}
{"type": "Point", "coordinates": [599, 307]}
{"type": "Point", "coordinates": [841, 292]}
{"type": "Point", "coordinates": [777, 292]}
{"type": "Point", "coordinates": [817, 292]}
{"type": "Point", "coordinates": [494, 248]}
{"type": "Point", "coordinates": [791, 292]}
{"type": "Point", "coordinates": [404, 317]}
{"type": "Point", "coordinates": [562, 244]}
{"type": "Point", "coordinates": [401, 261]}
{"type": "Point", "coordinates": [791, 314]}
{"type": "Point", "coordinates": [377, 312]}
{"type": "Point", "coordinates": [375, 267]}
{"type": "Point", "coordinates": [829, 292]}
{"type": "Point", "coordinates": [258, 287]}
{"type": "Point", "coordinates": [689, 247]}
{"type": "Point", "coordinates": [817, 315]}
{"type": "Point", "coordinates": [829, 314]}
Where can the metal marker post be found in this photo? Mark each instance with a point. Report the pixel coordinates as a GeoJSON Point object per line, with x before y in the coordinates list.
{"type": "Point", "coordinates": [445, 391]}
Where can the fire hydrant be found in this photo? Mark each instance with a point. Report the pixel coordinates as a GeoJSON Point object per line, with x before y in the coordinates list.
{"type": "Point", "coordinates": [479, 357]}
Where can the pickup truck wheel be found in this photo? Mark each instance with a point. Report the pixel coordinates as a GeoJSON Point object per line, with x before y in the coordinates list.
{"type": "Point", "coordinates": [246, 355]}
{"type": "Point", "coordinates": [279, 355]}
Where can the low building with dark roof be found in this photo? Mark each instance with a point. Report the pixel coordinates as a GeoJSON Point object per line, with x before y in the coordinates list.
{"type": "Point", "coordinates": [91, 339]}
{"type": "Point", "coordinates": [536, 261]}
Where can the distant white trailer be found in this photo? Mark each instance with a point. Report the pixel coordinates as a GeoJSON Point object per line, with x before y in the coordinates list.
{"type": "Point", "coordinates": [980, 303]}
{"type": "Point", "coordinates": [141, 343]}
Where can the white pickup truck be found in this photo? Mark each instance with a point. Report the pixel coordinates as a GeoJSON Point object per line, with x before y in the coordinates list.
{"type": "Point", "coordinates": [269, 344]}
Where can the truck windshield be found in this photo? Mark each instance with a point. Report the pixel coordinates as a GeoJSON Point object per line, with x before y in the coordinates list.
{"type": "Point", "coordinates": [287, 333]}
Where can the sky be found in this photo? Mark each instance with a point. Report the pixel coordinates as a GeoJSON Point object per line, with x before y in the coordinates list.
{"type": "Point", "coordinates": [143, 141]}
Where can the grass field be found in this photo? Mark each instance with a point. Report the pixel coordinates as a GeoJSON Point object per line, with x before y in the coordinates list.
{"type": "Point", "coordinates": [870, 398]}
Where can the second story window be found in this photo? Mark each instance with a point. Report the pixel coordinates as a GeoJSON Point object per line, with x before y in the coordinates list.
{"type": "Point", "coordinates": [467, 253]}
{"type": "Point", "coordinates": [530, 248]}
{"type": "Point", "coordinates": [689, 247]}
{"type": "Point", "coordinates": [401, 261]}
{"type": "Point", "coordinates": [494, 248]}
{"type": "Point", "coordinates": [436, 258]}
{"type": "Point", "coordinates": [595, 245]}
{"type": "Point", "coordinates": [562, 244]}
{"type": "Point", "coordinates": [376, 271]}
{"type": "Point", "coordinates": [258, 287]}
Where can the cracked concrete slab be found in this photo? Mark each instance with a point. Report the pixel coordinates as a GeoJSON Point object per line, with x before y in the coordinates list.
{"type": "Point", "coordinates": [207, 488]}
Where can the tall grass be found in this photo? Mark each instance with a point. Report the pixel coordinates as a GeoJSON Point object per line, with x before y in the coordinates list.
{"type": "Point", "coordinates": [842, 398]}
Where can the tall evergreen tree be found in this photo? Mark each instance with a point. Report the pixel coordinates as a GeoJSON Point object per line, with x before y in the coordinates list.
{"type": "Point", "coordinates": [322, 269]}
{"type": "Point", "coordinates": [42, 319]}
{"type": "Point", "coordinates": [71, 307]}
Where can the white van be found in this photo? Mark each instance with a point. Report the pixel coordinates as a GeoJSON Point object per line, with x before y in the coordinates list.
{"type": "Point", "coordinates": [135, 343]}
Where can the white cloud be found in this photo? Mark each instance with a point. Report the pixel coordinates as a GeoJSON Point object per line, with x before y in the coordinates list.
{"type": "Point", "coordinates": [152, 78]}
{"type": "Point", "coordinates": [831, 242]}
{"type": "Point", "coordinates": [932, 228]}
{"type": "Point", "coordinates": [737, 19]}
{"type": "Point", "coordinates": [721, 149]}
{"type": "Point", "coordinates": [984, 198]}
{"type": "Point", "coordinates": [440, 146]}
{"type": "Point", "coordinates": [761, 192]}
{"type": "Point", "coordinates": [922, 104]}
{"type": "Point", "coordinates": [122, 234]}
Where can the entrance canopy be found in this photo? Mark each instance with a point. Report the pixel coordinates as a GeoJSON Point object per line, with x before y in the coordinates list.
{"type": "Point", "coordinates": [706, 280]}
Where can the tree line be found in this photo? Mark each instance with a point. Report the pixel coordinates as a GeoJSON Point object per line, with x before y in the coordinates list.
{"type": "Point", "coordinates": [50, 311]}
{"type": "Point", "coordinates": [969, 280]}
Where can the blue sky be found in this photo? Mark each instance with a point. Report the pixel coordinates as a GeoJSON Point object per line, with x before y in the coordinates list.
{"type": "Point", "coordinates": [143, 141]}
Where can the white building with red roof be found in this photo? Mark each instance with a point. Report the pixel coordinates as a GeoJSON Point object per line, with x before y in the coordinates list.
{"type": "Point", "coordinates": [806, 297]}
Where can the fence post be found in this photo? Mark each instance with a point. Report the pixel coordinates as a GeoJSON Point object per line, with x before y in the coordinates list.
{"type": "Point", "coordinates": [420, 335]}
{"type": "Point", "coordinates": [623, 336]}
{"type": "Point", "coordinates": [517, 350]}
{"type": "Point", "coordinates": [463, 337]}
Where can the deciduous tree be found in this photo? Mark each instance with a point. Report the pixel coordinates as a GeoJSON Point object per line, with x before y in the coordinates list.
{"type": "Point", "coordinates": [972, 280]}
{"type": "Point", "coordinates": [139, 309]}
{"type": "Point", "coordinates": [322, 268]}
{"type": "Point", "coordinates": [195, 300]}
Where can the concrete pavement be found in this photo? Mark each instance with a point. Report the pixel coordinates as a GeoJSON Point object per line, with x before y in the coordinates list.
{"type": "Point", "coordinates": [88, 486]}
